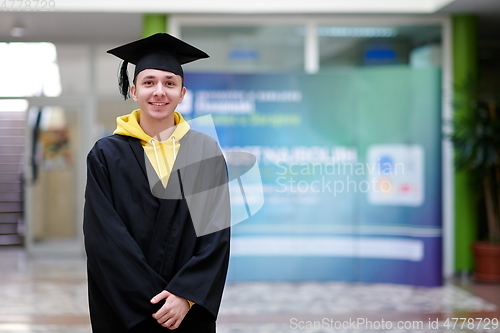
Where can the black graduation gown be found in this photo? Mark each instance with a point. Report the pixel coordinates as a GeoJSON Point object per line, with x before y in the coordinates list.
{"type": "Point", "coordinates": [138, 245]}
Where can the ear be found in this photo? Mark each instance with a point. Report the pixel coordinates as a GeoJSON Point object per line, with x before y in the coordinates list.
{"type": "Point", "coordinates": [133, 92]}
{"type": "Point", "coordinates": [183, 93]}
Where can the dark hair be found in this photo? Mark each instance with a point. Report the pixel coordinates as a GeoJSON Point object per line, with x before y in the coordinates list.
{"type": "Point", "coordinates": [135, 81]}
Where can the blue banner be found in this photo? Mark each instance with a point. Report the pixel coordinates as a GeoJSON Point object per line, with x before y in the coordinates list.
{"type": "Point", "coordinates": [351, 169]}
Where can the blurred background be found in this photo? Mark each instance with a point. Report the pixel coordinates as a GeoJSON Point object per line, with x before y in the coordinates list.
{"type": "Point", "coordinates": [351, 108]}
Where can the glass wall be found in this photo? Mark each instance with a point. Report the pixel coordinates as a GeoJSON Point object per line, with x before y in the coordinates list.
{"type": "Point", "coordinates": [348, 46]}
{"type": "Point", "coordinates": [247, 48]}
{"type": "Point", "coordinates": [279, 48]}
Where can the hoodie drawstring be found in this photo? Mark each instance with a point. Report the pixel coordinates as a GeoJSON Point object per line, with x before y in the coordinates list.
{"type": "Point", "coordinates": [173, 148]}
{"type": "Point", "coordinates": [156, 157]}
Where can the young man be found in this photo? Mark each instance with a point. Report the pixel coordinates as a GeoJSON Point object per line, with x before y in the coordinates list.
{"type": "Point", "coordinates": [156, 261]}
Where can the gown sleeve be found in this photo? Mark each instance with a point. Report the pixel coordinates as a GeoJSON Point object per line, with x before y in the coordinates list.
{"type": "Point", "coordinates": [202, 279]}
{"type": "Point", "coordinates": [114, 260]}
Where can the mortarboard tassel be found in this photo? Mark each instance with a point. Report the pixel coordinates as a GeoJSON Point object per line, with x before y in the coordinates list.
{"type": "Point", "coordinates": [123, 80]}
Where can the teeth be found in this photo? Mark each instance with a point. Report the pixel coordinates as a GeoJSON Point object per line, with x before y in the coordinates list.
{"type": "Point", "coordinates": [158, 103]}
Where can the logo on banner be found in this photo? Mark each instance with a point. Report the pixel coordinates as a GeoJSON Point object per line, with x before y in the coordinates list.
{"type": "Point", "coordinates": [398, 175]}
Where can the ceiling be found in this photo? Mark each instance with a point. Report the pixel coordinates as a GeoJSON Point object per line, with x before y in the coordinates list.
{"type": "Point", "coordinates": [254, 6]}
{"type": "Point", "coordinates": [275, 6]}
{"type": "Point", "coordinates": [104, 26]}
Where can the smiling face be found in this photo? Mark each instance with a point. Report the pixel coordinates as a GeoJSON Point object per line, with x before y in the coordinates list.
{"type": "Point", "coordinates": [157, 93]}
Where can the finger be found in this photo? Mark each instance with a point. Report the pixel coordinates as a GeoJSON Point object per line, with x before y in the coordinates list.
{"type": "Point", "coordinates": [170, 324]}
{"type": "Point", "coordinates": [176, 321]}
{"type": "Point", "coordinates": [164, 294]}
{"type": "Point", "coordinates": [158, 315]}
{"type": "Point", "coordinates": [164, 311]}
{"type": "Point", "coordinates": [164, 318]}
{"type": "Point", "coordinates": [174, 326]}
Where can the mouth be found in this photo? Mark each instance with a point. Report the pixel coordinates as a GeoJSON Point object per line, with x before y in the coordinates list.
{"type": "Point", "coordinates": [158, 104]}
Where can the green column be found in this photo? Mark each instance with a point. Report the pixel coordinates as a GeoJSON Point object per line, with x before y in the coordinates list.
{"type": "Point", "coordinates": [464, 69]}
{"type": "Point", "coordinates": [153, 23]}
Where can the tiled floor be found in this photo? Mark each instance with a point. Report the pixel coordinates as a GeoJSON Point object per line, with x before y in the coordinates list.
{"type": "Point", "coordinates": [49, 295]}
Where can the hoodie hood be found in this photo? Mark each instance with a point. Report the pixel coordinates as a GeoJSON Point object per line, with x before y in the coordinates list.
{"type": "Point", "coordinates": [128, 125]}
{"type": "Point", "coordinates": [161, 154]}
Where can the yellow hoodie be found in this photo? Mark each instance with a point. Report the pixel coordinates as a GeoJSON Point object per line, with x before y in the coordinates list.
{"type": "Point", "coordinates": [162, 153]}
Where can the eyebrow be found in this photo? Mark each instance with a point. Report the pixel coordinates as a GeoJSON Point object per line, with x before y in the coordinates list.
{"type": "Point", "coordinates": [148, 77]}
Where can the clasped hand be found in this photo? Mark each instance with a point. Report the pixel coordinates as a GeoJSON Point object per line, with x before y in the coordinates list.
{"type": "Point", "coordinates": [171, 314]}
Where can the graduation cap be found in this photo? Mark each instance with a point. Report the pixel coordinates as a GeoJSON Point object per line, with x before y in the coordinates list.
{"type": "Point", "coordinates": [159, 51]}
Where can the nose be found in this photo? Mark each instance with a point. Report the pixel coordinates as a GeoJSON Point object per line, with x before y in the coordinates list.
{"type": "Point", "coordinates": [159, 90]}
